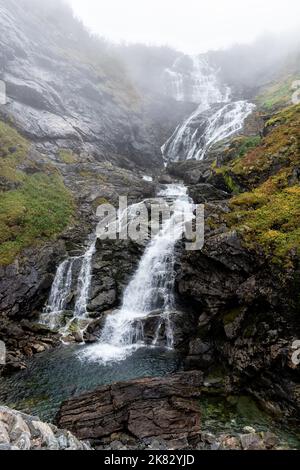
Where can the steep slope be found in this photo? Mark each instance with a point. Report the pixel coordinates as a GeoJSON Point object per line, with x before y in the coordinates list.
{"type": "Point", "coordinates": [67, 89]}
{"type": "Point", "coordinates": [244, 284]}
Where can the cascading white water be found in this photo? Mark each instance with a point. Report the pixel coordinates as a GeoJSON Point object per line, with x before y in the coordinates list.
{"type": "Point", "coordinates": [151, 288]}
{"type": "Point", "coordinates": [221, 125]}
{"type": "Point", "coordinates": [205, 126]}
{"type": "Point", "coordinates": [62, 290]}
{"type": "Point", "coordinates": [194, 81]}
{"type": "Point", "coordinates": [84, 282]}
{"type": "Point", "coordinates": [199, 132]}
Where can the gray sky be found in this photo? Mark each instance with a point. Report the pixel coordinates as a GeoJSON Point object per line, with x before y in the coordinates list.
{"type": "Point", "coordinates": [189, 25]}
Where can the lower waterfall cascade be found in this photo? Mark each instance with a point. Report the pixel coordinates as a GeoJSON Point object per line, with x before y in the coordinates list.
{"type": "Point", "coordinates": [62, 289]}
{"type": "Point", "coordinates": [150, 289]}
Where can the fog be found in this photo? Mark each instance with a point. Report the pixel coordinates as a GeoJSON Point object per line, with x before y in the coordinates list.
{"type": "Point", "coordinates": [192, 26]}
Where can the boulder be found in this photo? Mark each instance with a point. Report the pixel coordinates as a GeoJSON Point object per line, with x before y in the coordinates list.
{"type": "Point", "coordinates": [19, 431]}
{"type": "Point", "coordinates": [162, 408]}
{"type": "Point", "coordinates": [156, 325]}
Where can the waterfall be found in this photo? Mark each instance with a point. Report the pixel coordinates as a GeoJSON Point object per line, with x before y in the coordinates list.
{"type": "Point", "coordinates": [201, 130]}
{"type": "Point", "coordinates": [84, 282]}
{"type": "Point", "coordinates": [62, 288]}
{"type": "Point", "coordinates": [192, 79]}
{"type": "Point", "coordinates": [214, 119]}
{"type": "Point", "coordinates": [221, 125]}
{"type": "Point", "coordinates": [150, 289]}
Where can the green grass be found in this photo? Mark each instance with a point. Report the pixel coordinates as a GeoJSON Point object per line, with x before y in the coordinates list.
{"type": "Point", "coordinates": [267, 214]}
{"type": "Point", "coordinates": [277, 94]}
{"type": "Point", "coordinates": [67, 156]}
{"type": "Point", "coordinates": [270, 221]}
{"type": "Point", "coordinates": [13, 150]}
{"type": "Point", "coordinates": [35, 210]}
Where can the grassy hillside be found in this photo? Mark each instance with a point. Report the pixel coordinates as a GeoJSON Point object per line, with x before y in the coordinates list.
{"type": "Point", "coordinates": [266, 212]}
{"type": "Point", "coordinates": [277, 94]}
{"type": "Point", "coordinates": [34, 204]}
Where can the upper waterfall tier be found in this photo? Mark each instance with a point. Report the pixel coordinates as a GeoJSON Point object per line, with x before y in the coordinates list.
{"type": "Point", "coordinates": [151, 288]}
{"type": "Point", "coordinates": [216, 118]}
{"type": "Point", "coordinates": [201, 130]}
{"type": "Point", "coordinates": [192, 79]}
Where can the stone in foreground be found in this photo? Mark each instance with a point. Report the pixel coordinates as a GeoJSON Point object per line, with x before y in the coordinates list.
{"type": "Point", "coordinates": [19, 431]}
{"type": "Point", "coordinates": [165, 408]}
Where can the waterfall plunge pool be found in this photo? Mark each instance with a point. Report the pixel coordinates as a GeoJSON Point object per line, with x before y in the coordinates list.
{"type": "Point", "coordinates": [52, 377]}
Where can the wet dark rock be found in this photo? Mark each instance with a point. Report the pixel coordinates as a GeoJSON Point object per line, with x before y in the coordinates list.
{"type": "Point", "coordinates": [165, 179]}
{"type": "Point", "coordinates": [93, 332]}
{"type": "Point", "coordinates": [246, 315]}
{"type": "Point", "coordinates": [155, 327]}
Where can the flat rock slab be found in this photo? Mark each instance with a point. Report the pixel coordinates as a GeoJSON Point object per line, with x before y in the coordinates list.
{"type": "Point", "coordinates": [163, 407]}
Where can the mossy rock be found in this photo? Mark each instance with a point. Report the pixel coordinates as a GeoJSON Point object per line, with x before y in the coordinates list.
{"type": "Point", "coordinates": [268, 216]}
{"type": "Point", "coordinates": [99, 201]}
{"type": "Point", "coordinates": [67, 156]}
{"type": "Point", "coordinates": [277, 94]}
{"type": "Point", "coordinates": [232, 315]}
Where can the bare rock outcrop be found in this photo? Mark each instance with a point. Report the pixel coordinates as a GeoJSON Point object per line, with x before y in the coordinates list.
{"type": "Point", "coordinates": [163, 408]}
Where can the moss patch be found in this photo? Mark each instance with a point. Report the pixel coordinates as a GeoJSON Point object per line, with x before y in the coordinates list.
{"type": "Point", "coordinates": [277, 94]}
{"type": "Point", "coordinates": [99, 201]}
{"type": "Point", "coordinates": [13, 150]}
{"type": "Point", "coordinates": [269, 217]}
{"type": "Point", "coordinates": [39, 208]}
{"type": "Point", "coordinates": [67, 156]}
{"type": "Point", "coordinates": [230, 316]}
{"type": "Point", "coordinates": [268, 214]}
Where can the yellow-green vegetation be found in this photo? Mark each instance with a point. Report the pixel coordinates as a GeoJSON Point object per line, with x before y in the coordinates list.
{"type": "Point", "coordinates": [279, 148]}
{"type": "Point", "coordinates": [35, 209]}
{"type": "Point", "coordinates": [268, 217]}
{"type": "Point", "coordinates": [231, 315]}
{"type": "Point", "coordinates": [67, 156]}
{"type": "Point", "coordinates": [89, 174]}
{"type": "Point", "coordinates": [239, 146]}
{"type": "Point", "coordinates": [270, 220]}
{"type": "Point", "coordinates": [13, 150]}
{"type": "Point", "coordinates": [277, 94]}
{"type": "Point", "coordinates": [99, 201]}
{"type": "Point", "coordinates": [110, 72]}
{"type": "Point", "coordinates": [231, 185]}
{"type": "Point", "coordinates": [244, 144]}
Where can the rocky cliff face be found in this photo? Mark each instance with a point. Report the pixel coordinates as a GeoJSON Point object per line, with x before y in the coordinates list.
{"type": "Point", "coordinates": [66, 90]}
{"type": "Point", "coordinates": [244, 282]}
{"type": "Point", "coordinates": [78, 131]}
